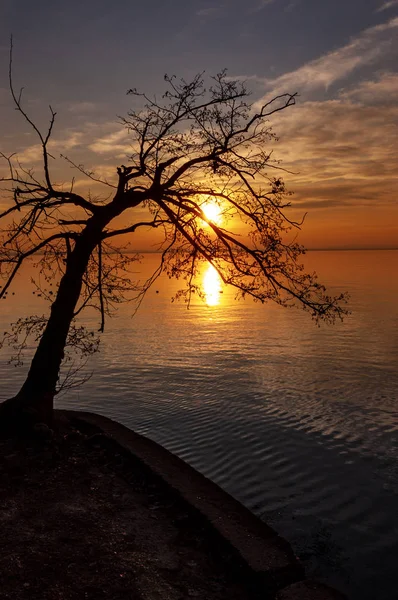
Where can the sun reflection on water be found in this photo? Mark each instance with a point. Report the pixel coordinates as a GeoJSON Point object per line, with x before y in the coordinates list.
{"type": "Point", "coordinates": [211, 286]}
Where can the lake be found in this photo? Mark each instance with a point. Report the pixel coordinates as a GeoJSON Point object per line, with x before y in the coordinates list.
{"type": "Point", "coordinates": [297, 422]}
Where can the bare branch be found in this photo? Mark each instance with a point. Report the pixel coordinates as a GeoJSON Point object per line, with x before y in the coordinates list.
{"type": "Point", "coordinates": [19, 259]}
{"type": "Point", "coordinates": [197, 144]}
{"type": "Point", "coordinates": [100, 292]}
{"type": "Point", "coordinates": [155, 223]}
{"type": "Point", "coordinates": [43, 140]}
{"type": "Point", "coordinates": [87, 173]}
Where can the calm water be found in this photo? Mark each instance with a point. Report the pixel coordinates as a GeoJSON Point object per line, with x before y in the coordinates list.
{"type": "Point", "coordinates": [299, 423]}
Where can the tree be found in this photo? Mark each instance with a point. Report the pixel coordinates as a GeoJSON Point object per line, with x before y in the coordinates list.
{"type": "Point", "coordinates": [197, 142]}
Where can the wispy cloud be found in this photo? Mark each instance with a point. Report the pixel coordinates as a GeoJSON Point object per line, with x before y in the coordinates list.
{"type": "Point", "coordinates": [34, 154]}
{"type": "Point", "coordinates": [105, 172]}
{"type": "Point", "coordinates": [104, 139]}
{"type": "Point", "coordinates": [337, 160]}
{"type": "Point", "coordinates": [381, 91]}
{"type": "Point", "coordinates": [115, 143]}
{"type": "Point", "coordinates": [322, 72]}
{"type": "Point", "coordinates": [343, 149]}
{"type": "Point", "coordinates": [387, 5]}
{"type": "Point", "coordinates": [262, 4]}
{"type": "Point", "coordinates": [289, 6]}
{"type": "Point", "coordinates": [82, 107]}
{"type": "Point", "coordinates": [208, 11]}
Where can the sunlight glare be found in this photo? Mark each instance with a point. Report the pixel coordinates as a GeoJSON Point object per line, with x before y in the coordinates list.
{"type": "Point", "coordinates": [211, 286]}
{"type": "Point", "coordinates": [212, 212]}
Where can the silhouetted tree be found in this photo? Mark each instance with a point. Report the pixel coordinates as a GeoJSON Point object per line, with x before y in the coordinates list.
{"type": "Point", "coordinates": [195, 142]}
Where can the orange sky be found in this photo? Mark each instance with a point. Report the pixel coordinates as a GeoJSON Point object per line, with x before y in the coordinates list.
{"type": "Point", "coordinates": [339, 142]}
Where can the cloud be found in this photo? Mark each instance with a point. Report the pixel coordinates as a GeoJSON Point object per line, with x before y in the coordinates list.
{"type": "Point", "coordinates": [383, 91]}
{"type": "Point", "coordinates": [82, 107]}
{"type": "Point", "coordinates": [289, 5]}
{"type": "Point", "coordinates": [263, 4]}
{"type": "Point", "coordinates": [104, 172]}
{"type": "Point", "coordinates": [321, 73]}
{"type": "Point", "coordinates": [343, 152]}
{"type": "Point", "coordinates": [387, 5]}
{"type": "Point", "coordinates": [116, 143]}
{"type": "Point", "coordinates": [34, 154]}
{"type": "Point", "coordinates": [343, 149]}
{"type": "Point", "coordinates": [208, 11]}
{"type": "Point", "coordinates": [105, 139]}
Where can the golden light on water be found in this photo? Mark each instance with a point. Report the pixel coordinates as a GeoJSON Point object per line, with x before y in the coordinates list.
{"type": "Point", "coordinates": [211, 286]}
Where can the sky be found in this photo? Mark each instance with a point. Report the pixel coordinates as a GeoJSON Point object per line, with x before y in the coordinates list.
{"type": "Point", "coordinates": [341, 56]}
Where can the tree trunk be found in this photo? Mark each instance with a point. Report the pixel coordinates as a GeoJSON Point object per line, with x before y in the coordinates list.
{"type": "Point", "coordinates": [34, 402]}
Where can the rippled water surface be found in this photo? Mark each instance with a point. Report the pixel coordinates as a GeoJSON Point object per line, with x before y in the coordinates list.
{"type": "Point", "coordinates": [297, 422]}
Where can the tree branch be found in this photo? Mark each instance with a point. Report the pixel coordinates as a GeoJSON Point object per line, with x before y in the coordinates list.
{"type": "Point", "coordinates": [101, 297]}
{"type": "Point", "coordinates": [24, 255]}
{"type": "Point", "coordinates": [155, 223]}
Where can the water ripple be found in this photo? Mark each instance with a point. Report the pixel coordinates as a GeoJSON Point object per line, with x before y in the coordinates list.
{"type": "Point", "coordinates": [298, 423]}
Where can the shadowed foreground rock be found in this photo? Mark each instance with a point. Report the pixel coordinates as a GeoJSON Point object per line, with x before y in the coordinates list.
{"type": "Point", "coordinates": [84, 518]}
{"type": "Point", "coordinates": [309, 590]}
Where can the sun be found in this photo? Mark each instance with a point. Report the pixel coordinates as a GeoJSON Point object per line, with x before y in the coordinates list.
{"type": "Point", "coordinates": [212, 212]}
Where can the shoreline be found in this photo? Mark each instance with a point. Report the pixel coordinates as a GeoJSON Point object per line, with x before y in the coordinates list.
{"type": "Point", "coordinates": [268, 556]}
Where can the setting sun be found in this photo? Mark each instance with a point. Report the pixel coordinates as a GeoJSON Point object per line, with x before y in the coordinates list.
{"type": "Point", "coordinates": [212, 212]}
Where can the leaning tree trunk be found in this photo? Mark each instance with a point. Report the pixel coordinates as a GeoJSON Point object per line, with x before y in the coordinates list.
{"type": "Point", "coordinates": [34, 402]}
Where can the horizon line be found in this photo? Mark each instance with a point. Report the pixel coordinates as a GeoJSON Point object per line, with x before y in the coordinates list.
{"type": "Point", "coordinates": [337, 249]}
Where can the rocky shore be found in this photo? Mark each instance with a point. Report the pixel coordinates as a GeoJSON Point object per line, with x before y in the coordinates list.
{"type": "Point", "coordinates": [92, 510]}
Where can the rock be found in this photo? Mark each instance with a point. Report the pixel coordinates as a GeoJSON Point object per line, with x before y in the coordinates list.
{"type": "Point", "coordinates": [43, 431]}
{"type": "Point", "coordinates": [309, 590]}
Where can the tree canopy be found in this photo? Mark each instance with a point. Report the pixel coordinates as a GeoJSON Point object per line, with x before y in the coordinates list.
{"type": "Point", "coordinates": [203, 142]}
